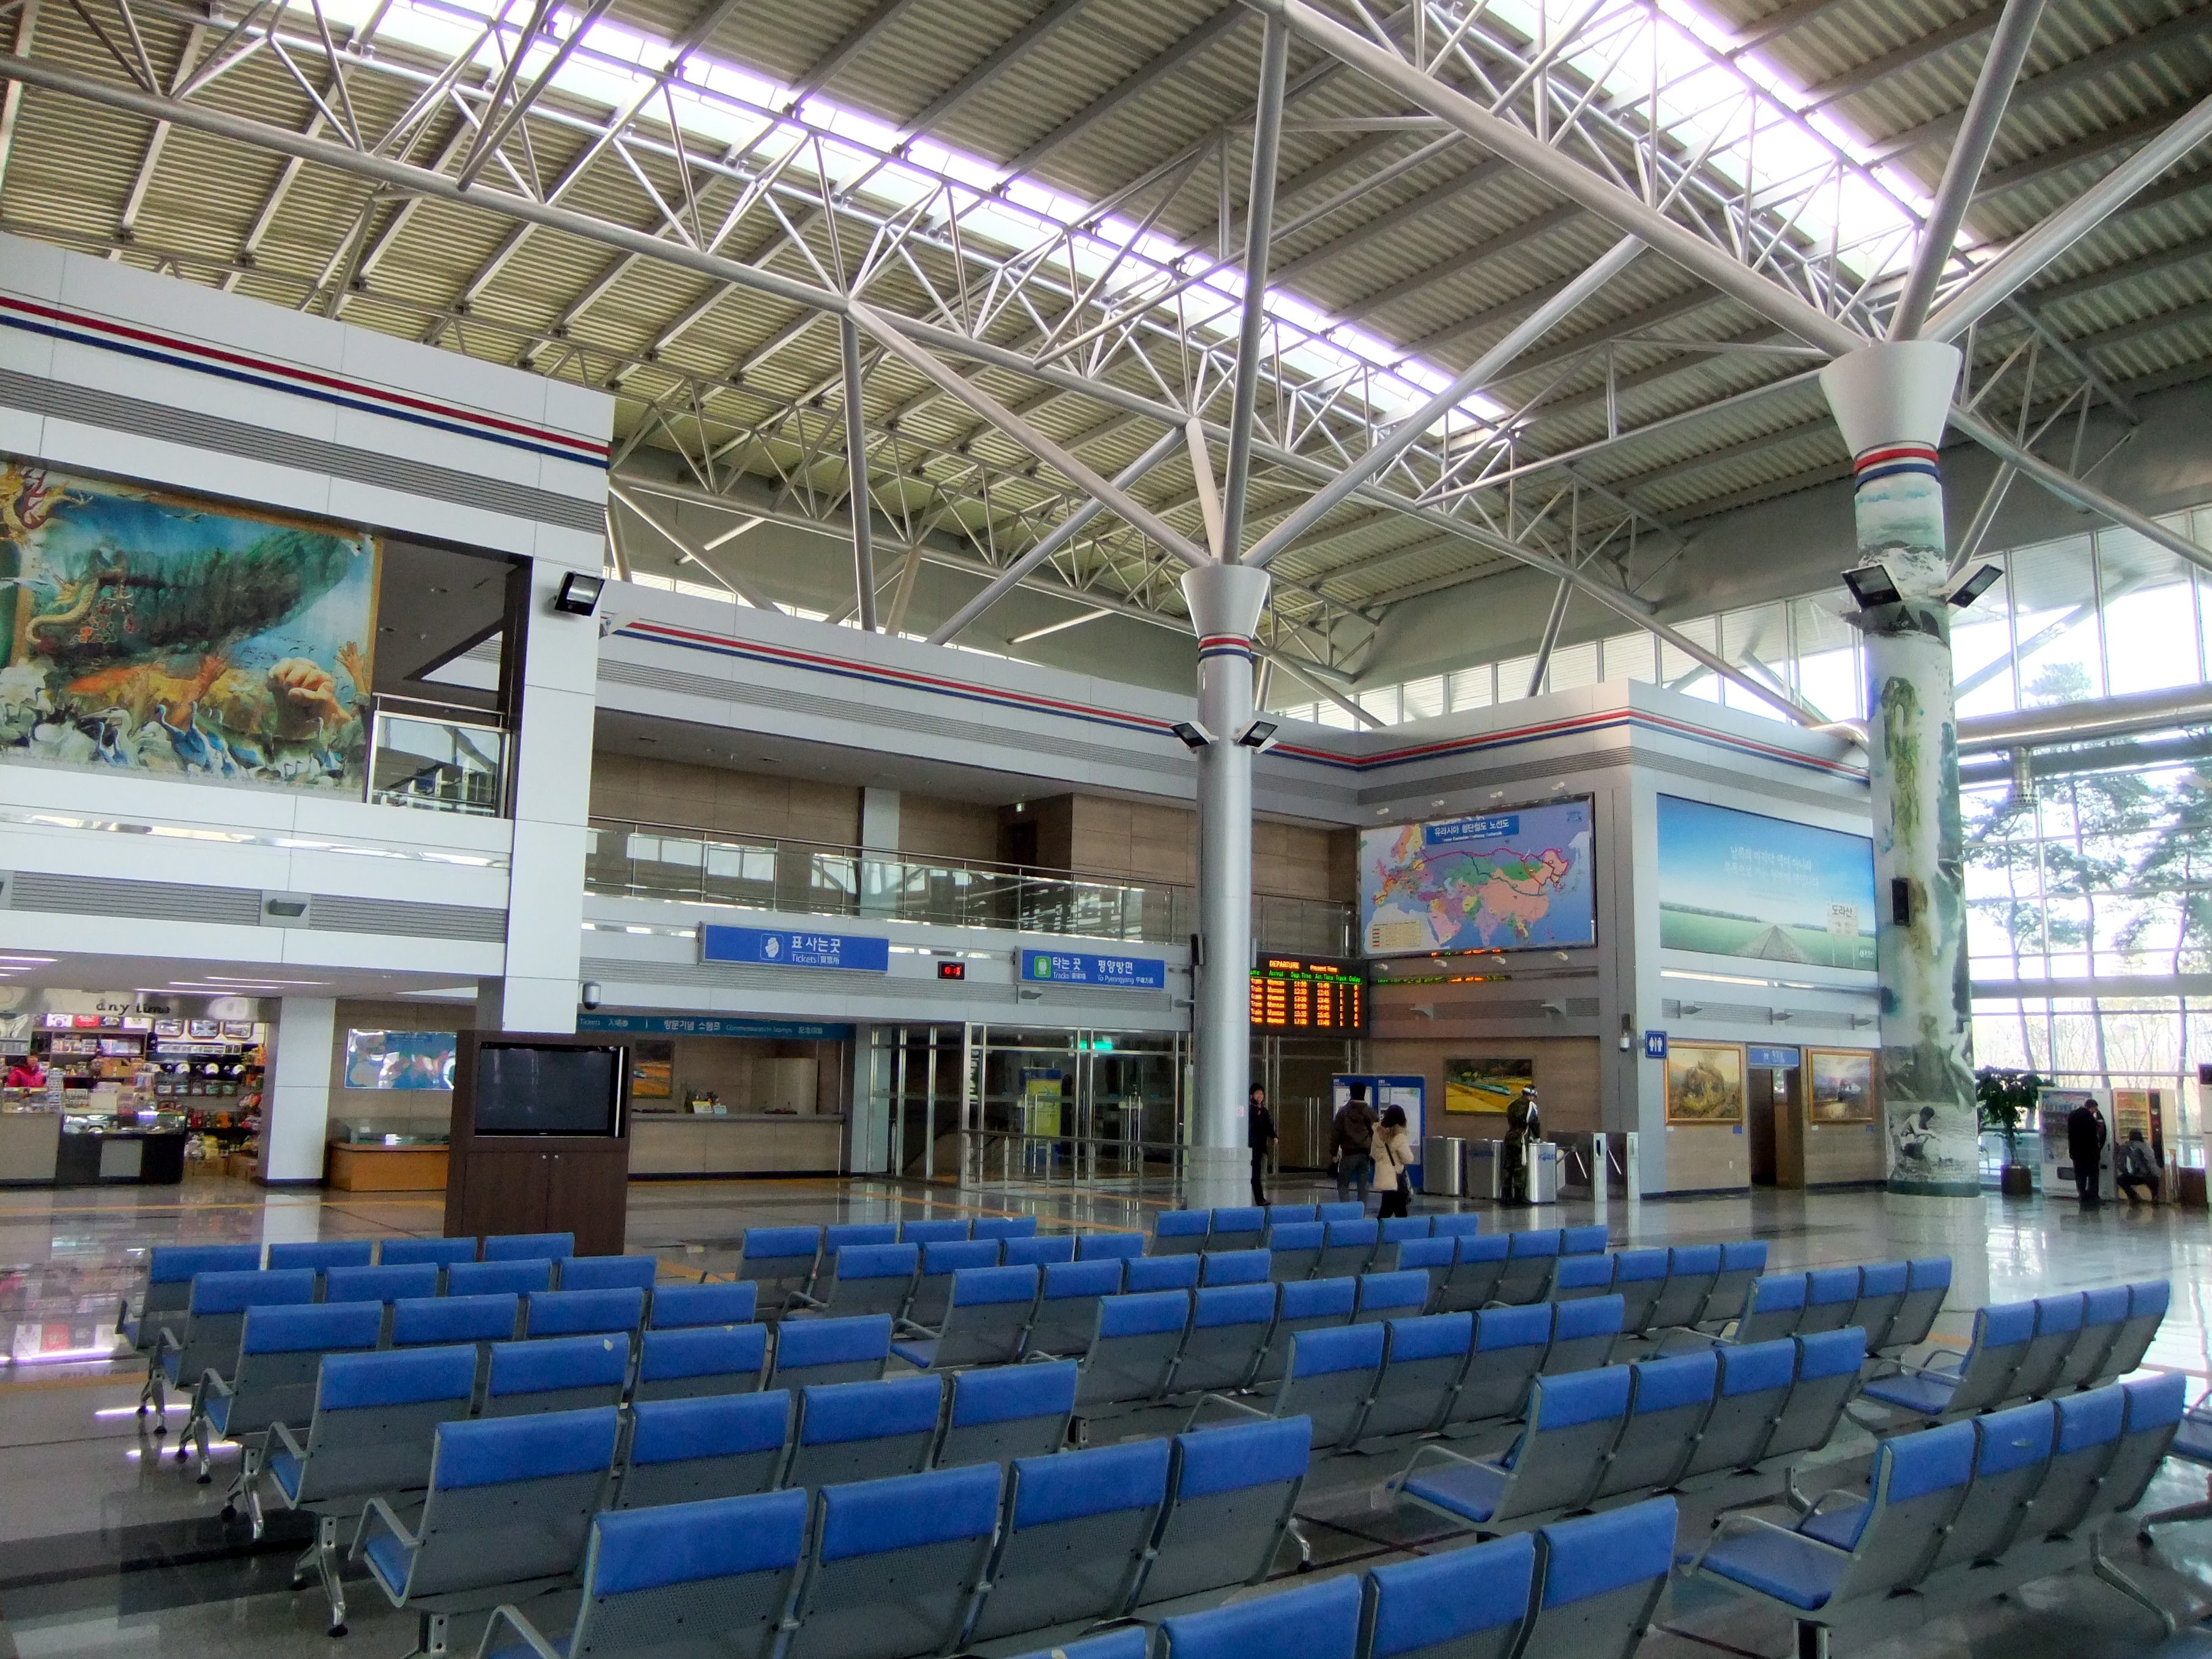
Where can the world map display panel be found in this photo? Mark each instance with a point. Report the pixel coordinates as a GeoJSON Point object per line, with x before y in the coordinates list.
{"type": "Point", "coordinates": [1517, 880]}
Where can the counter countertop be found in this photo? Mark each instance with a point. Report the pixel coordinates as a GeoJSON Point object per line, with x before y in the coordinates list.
{"type": "Point", "coordinates": [637, 1117]}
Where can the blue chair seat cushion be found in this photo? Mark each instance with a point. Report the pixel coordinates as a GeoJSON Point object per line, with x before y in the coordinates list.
{"type": "Point", "coordinates": [920, 1355]}
{"type": "Point", "coordinates": [1793, 1570]}
{"type": "Point", "coordinates": [285, 1469]}
{"type": "Point", "coordinates": [1839, 1526]}
{"type": "Point", "coordinates": [1468, 1490]}
{"type": "Point", "coordinates": [1930, 1395]}
{"type": "Point", "coordinates": [388, 1560]}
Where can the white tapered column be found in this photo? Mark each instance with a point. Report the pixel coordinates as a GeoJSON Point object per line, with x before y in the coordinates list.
{"type": "Point", "coordinates": [1891, 401]}
{"type": "Point", "coordinates": [1225, 600]}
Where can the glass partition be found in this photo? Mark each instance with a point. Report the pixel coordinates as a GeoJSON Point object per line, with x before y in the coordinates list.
{"type": "Point", "coordinates": [446, 761]}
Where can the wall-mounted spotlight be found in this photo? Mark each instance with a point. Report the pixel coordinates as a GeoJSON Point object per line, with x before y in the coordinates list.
{"type": "Point", "coordinates": [580, 593]}
{"type": "Point", "coordinates": [1260, 735]}
{"type": "Point", "coordinates": [1627, 1033]}
{"type": "Point", "coordinates": [1193, 736]}
{"type": "Point", "coordinates": [1963, 590]}
{"type": "Point", "coordinates": [1871, 585]}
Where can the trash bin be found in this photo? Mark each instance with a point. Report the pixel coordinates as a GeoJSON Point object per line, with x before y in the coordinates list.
{"type": "Point", "coordinates": [1480, 1178]}
{"type": "Point", "coordinates": [1544, 1173]}
{"type": "Point", "coordinates": [1442, 1172]}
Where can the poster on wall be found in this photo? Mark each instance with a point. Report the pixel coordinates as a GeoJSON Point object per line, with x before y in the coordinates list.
{"type": "Point", "coordinates": [1503, 881]}
{"type": "Point", "coordinates": [1485, 1084]}
{"type": "Point", "coordinates": [155, 633]}
{"type": "Point", "coordinates": [1705, 1083]}
{"type": "Point", "coordinates": [1742, 884]}
{"type": "Point", "coordinates": [1843, 1085]}
{"type": "Point", "coordinates": [653, 1071]}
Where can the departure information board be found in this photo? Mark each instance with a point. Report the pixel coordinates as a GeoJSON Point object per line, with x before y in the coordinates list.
{"type": "Point", "coordinates": [1308, 993]}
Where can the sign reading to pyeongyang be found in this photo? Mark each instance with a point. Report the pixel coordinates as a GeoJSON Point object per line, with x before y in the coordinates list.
{"type": "Point", "coordinates": [1079, 968]}
{"type": "Point", "coordinates": [795, 948]}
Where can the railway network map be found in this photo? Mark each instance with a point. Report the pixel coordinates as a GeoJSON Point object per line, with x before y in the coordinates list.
{"type": "Point", "coordinates": [1517, 880]}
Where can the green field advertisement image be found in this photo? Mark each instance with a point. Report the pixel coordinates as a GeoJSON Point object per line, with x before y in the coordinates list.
{"type": "Point", "coordinates": [1743, 885]}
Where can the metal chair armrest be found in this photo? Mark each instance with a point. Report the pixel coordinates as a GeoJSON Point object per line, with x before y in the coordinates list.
{"type": "Point", "coordinates": [521, 1626]}
{"type": "Point", "coordinates": [1736, 1524]}
{"type": "Point", "coordinates": [378, 1510]}
{"type": "Point", "coordinates": [290, 1444]}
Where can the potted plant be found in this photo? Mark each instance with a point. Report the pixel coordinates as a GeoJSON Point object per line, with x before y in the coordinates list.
{"type": "Point", "coordinates": [2008, 1100]}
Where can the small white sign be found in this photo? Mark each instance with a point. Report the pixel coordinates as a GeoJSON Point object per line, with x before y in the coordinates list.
{"type": "Point", "coordinates": [1843, 920]}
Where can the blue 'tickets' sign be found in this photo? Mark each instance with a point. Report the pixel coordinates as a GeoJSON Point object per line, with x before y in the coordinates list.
{"type": "Point", "coordinates": [795, 948]}
{"type": "Point", "coordinates": [1498, 826]}
{"type": "Point", "coordinates": [1076, 968]}
{"type": "Point", "coordinates": [1654, 1045]}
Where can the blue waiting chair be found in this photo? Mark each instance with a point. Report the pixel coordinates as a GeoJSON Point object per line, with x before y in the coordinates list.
{"type": "Point", "coordinates": [2012, 1455]}
{"type": "Point", "coordinates": [2104, 1313]}
{"type": "Point", "coordinates": [1133, 1351]}
{"type": "Point", "coordinates": [1103, 1247]}
{"type": "Point", "coordinates": [438, 1321]}
{"type": "Point", "coordinates": [528, 1247]}
{"type": "Point", "coordinates": [685, 1451]}
{"type": "Point", "coordinates": [1312, 1304]}
{"type": "Point", "coordinates": [2058, 1324]}
{"type": "Point", "coordinates": [280, 1357]}
{"type": "Point", "coordinates": [1161, 1273]}
{"type": "Point", "coordinates": [609, 1272]}
{"type": "Point", "coordinates": [1589, 1240]}
{"type": "Point", "coordinates": [214, 1327]}
{"type": "Point", "coordinates": [1180, 1232]}
{"type": "Point", "coordinates": [699, 1361]}
{"type": "Point", "coordinates": [1741, 1260]}
{"type": "Point", "coordinates": [1066, 1312]}
{"type": "Point", "coordinates": [1008, 1227]}
{"type": "Point", "coordinates": [864, 1430]}
{"type": "Point", "coordinates": [320, 1257]}
{"type": "Point", "coordinates": [1423, 1361]}
{"type": "Point", "coordinates": [936, 1231]}
{"type": "Point", "coordinates": [1235, 1268]}
{"type": "Point", "coordinates": [1350, 1246]}
{"type": "Point", "coordinates": [1599, 1581]}
{"type": "Point", "coordinates": [1007, 1412]}
{"type": "Point", "coordinates": [1531, 1260]}
{"type": "Point", "coordinates": [896, 1564]}
{"type": "Point", "coordinates": [1927, 1284]}
{"type": "Point", "coordinates": [558, 1374]}
{"type": "Point", "coordinates": [1460, 1604]}
{"type": "Point", "coordinates": [779, 1262]}
{"type": "Point", "coordinates": [1315, 1621]}
{"type": "Point", "coordinates": [1231, 1495]}
{"type": "Point", "coordinates": [381, 1284]}
{"type": "Point", "coordinates": [1775, 1308]}
{"type": "Point", "coordinates": [1294, 1250]}
{"type": "Point", "coordinates": [1431, 1256]}
{"type": "Point", "coordinates": [1554, 1466]}
{"type": "Point", "coordinates": [1510, 1345]}
{"type": "Point", "coordinates": [815, 1351]}
{"type": "Point", "coordinates": [1229, 1325]}
{"type": "Point", "coordinates": [1692, 1271]}
{"type": "Point", "coordinates": [1330, 1379]}
{"type": "Point", "coordinates": [1583, 1334]}
{"type": "Point", "coordinates": [1638, 1276]}
{"type": "Point", "coordinates": [1402, 1294]}
{"type": "Point", "coordinates": [1077, 1530]}
{"type": "Point", "coordinates": [1827, 1380]}
{"type": "Point", "coordinates": [163, 1300]}
{"type": "Point", "coordinates": [1882, 1286]}
{"type": "Point", "coordinates": [584, 1313]}
{"type": "Point", "coordinates": [514, 1275]}
{"type": "Point", "coordinates": [2147, 1305]}
{"type": "Point", "coordinates": [986, 1321]}
{"type": "Point", "coordinates": [681, 1307]}
{"type": "Point", "coordinates": [1755, 1380]}
{"type": "Point", "coordinates": [1033, 1252]}
{"type": "Point", "coordinates": [1831, 1296]}
{"type": "Point", "coordinates": [1236, 1229]}
{"type": "Point", "coordinates": [1581, 1277]}
{"type": "Point", "coordinates": [1455, 1226]}
{"type": "Point", "coordinates": [440, 1253]}
{"type": "Point", "coordinates": [506, 1515]}
{"type": "Point", "coordinates": [1668, 1401]}
{"type": "Point", "coordinates": [655, 1580]}
{"type": "Point", "coordinates": [373, 1430]}
{"type": "Point", "coordinates": [1974, 1380]}
{"type": "Point", "coordinates": [932, 1285]}
{"type": "Point", "coordinates": [866, 1278]}
{"type": "Point", "coordinates": [1478, 1264]}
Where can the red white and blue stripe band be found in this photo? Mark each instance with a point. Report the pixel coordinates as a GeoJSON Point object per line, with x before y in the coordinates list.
{"type": "Point", "coordinates": [56, 323]}
{"type": "Point", "coordinates": [1897, 460]}
{"type": "Point", "coordinates": [1224, 644]}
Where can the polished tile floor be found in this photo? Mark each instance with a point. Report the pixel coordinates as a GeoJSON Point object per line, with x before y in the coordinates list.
{"type": "Point", "coordinates": [106, 1546]}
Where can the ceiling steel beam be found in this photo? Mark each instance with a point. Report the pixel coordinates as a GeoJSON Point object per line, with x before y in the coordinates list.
{"type": "Point", "coordinates": [1259, 228]}
{"type": "Point", "coordinates": [1135, 85]}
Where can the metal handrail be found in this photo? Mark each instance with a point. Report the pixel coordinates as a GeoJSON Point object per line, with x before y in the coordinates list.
{"type": "Point", "coordinates": [639, 859]}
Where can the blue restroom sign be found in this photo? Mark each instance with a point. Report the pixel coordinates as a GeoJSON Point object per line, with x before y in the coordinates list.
{"type": "Point", "coordinates": [1078, 968]}
{"type": "Point", "coordinates": [795, 948]}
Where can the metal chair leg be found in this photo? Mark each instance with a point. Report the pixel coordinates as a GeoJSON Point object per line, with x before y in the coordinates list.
{"type": "Point", "coordinates": [2201, 1510]}
{"type": "Point", "coordinates": [2119, 1581]}
{"type": "Point", "coordinates": [1812, 1640]}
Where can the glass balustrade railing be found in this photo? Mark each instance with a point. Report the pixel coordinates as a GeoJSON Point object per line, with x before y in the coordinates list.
{"type": "Point", "coordinates": [663, 862]}
{"type": "Point", "coordinates": [444, 760]}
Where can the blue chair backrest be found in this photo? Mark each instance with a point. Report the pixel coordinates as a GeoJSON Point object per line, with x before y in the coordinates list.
{"type": "Point", "coordinates": [950, 1254]}
{"type": "Point", "coordinates": [807, 1342]}
{"type": "Point", "coordinates": [1335, 1349]}
{"type": "Point", "coordinates": [577, 1313]}
{"type": "Point", "coordinates": [1427, 1254]}
{"type": "Point", "coordinates": [494, 1451]}
{"type": "Point", "coordinates": [879, 1260]}
{"type": "Point", "coordinates": [691, 1353]}
{"type": "Point", "coordinates": [443, 1319]}
{"type": "Point", "coordinates": [1144, 1313]}
{"type": "Point", "coordinates": [180, 1264]}
{"type": "Point", "coordinates": [380, 1284]}
{"type": "Point", "coordinates": [1233, 1267]}
{"type": "Point", "coordinates": [1687, 1260]}
{"type": "Point", "coordinates": [1079, 1483]}
{"type": "Point", "coordinates": [875, 1517]}
{"type": "Point", "coordinates": [1513, 1327]}
{"type": "Point", "coordinates": [1440, 1604]}
{"type": "Point", "coordinates": [993, 1287]}
{"type": "Point", "coordinates": [1161, 1273]}
{"type": "Point", "coordinates": [609, 1272]}
{"type": "Point", "coordinates": [1318, 1298]}
{"type": "Point", "coordinates": [711, 1425]}
{"type": "Point", "coordinates": [1484, 1247]}
{"type": "Point", "coordinates": [556, 1366]}
{"type": "Point", "coordinates": [1001, 1394]}
{"type": "Point", "coordinates": [1382, 1295]}
{"type": "Point", "coordinates": [1366, 1230]}
{"type": "Point", "coordinates": [1224, 1305]}
{"type": "Point", "coordinates": [1542, 1241]}
{"type": "Point", "coordinates": [528, 1247]}
{"type": "Point", "coordinates": [1037, 1252]}
{"type": "Point", "coordinates": [1073, 1279]}
{"type": "Point", "coordinates": [1637, 1266]}
{"type": "Point", "coordinates": [522, 1275]}
{"type": "Point", "coordinates": [677, 1306]}
{"type": "Point", "coordinates": [1278, 1213]}
{"type": "Point", "coordinates": [361, 1382]}
{"type": "Point", "coordinates": [1317, 1621]}
{"type": "Point", "coordinates": [931, 1233]}
{"type": "Point", "coordinates": [1238, 1228]}
{"type": "Point", "coordinates": [234, 1292]}
{"type": "Point", "coordinates": [1403, 1229]}
{"type": "Point", "coordinates": [833, 1413]}
{"type": "Point", "coordinates": [413, 1252]}
{"type": "Point", "coordinates": [1577, 1397]}
{"type": "Point", "coordinates": [1743, 1255]}
{"type": "Point", "coordinates": [322, 1327]}
{"type": "Point", "coordinates": [727, 1562]}
{"type": "Point", "coordinates": [1454, 1226]}
{"type": "Point", "coordinates": [1596, 1316]}
{"type": "Point", "coordinates": [1583, 1276]}
{"type": "Point", "coordinates": [782, 1243]}
{"type": "Point", "coordinates": [1826, 1287]}
{"type": "Point", "coordinates": [843, 1234]}
{"type": "Point", "coordinates": [1183, 1226]}
{"type": "Point", "coordinates": [1349, 1209]}
{"type": "Point", "coordinates": [1583, 1241]}
{"type": "Point", "coordinates": [1601, 1576]}
{"type": "Point", "coordinates": [321, 1257]}
{"type": "Point", "coordinates": [1003, 1226]}
{"type": "Point", "coordinates": [1298, 1235]}
{"type": "Point", "coordinates": [1242, 1455]}
{"type": "Point", "coordinates": [1098, 1247]}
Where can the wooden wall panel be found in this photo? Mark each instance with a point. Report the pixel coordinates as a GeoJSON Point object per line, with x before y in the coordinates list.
{"type": "Point", "coordinates": [930, 828]}
{"type": "Point", "coordinates": [1566, 1078]}
{"type": "Point", "coordinates": [1707, 1157]}
{"type": "Point", "coordinates": [1838, 1153]}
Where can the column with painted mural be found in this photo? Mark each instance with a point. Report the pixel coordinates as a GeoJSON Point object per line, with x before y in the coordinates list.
{"type": "Point", "coordinates": [154, 633]}
{"type": "Point", "coordinates": [1891, 401]}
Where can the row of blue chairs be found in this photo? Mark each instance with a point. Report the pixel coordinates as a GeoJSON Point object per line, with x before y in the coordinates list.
{"type": "Point", "coordinates": [888, 1568]}
{"type": "Point", "coordinates": [1894, 1303]}
{"type": "Point", "coordinates": [1958, 1513]}
{"type": "Point", "coordinates": [784, 1260]}
{"type": "Point", "coordinates": [1621, 1432]}
{"type": "Point", "coordinates": [1575, 1589]}
{"type": "Point", "coordinates": [2051, 1345]}
{"type": "Point", "coordinates": [1176, 1232]}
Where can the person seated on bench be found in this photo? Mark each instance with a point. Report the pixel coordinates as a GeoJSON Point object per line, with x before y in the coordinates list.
{"type": "Point", "coordinates": [2133, 1167]}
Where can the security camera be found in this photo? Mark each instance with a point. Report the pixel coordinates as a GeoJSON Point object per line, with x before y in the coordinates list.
{"type": "Point", "coordinates": [590, 993]}
{"type": "Point", "coordinates": [1259, 736]}
{"type": "Point", "coordinates": [1193, 736]}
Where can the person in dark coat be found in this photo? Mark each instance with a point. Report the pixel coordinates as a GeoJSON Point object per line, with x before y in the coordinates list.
{"type": "Point", "coordinates": [1259, 1135]}
{"type": "Point", "coordinates": [1352, 1144]}
{"type": "Point", "coordinates": [2085, 1136]}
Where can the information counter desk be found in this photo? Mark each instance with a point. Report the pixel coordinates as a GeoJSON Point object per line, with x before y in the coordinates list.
{"type": "Point", "coordinates": [671, 1145]}
{"type": "Point", "coordinates": [30, 1142]}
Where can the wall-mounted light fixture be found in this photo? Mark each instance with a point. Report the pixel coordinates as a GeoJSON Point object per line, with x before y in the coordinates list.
{"type": "Point", "coordinates": [1871, 585]}
{"type": "Point", "coordinates": [580, 593]}
{"type": "Point", "coordinates": [1260, 735]}
{"type": "Point", "coordinates": [1193, 736]}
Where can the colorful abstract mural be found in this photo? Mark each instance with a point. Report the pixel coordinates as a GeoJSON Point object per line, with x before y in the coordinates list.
{"type": "Point", "coordinates": [151, 632]}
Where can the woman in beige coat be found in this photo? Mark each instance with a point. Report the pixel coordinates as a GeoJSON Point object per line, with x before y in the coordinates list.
{"type": "Point", "coordinates": [1393, 1156]}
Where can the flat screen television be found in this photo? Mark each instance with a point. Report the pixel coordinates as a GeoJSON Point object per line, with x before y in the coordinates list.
{"type": "Point", "coordinates": [532, 1089]}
